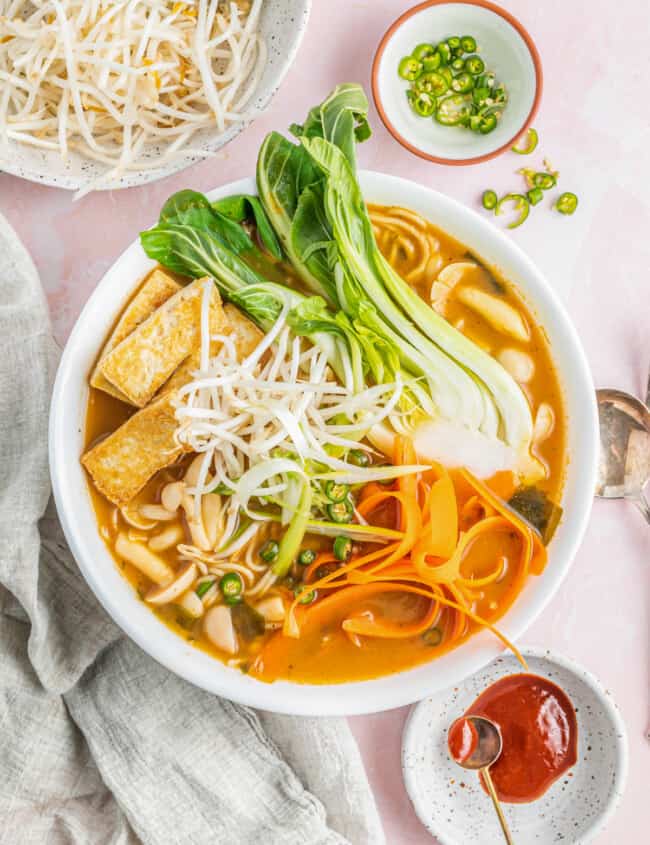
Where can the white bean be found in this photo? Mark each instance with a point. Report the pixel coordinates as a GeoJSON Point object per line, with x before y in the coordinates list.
{"type": "Point", "coordinates": [171, 536]}
{"type": "Point", "coordinates": [171, 496]}
{"type": "Point", "coordinates": [156, 512]}
{"type": "Point", "coordinates": [143, 559]}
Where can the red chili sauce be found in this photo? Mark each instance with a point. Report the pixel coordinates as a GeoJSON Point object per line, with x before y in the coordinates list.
{"type": "Point", "coordinates": [540, 735]}
{"type": "Point", "coordinates": [462, 740]}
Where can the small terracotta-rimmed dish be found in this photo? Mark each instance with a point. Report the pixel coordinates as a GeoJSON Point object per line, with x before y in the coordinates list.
{"type": "Point", "coordinates": [505, 47]}
{"type": "Point", "coordinates": [450, 801]}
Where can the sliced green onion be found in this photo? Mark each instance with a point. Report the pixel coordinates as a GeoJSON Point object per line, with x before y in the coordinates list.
{"type": "Point", "coordinates": [520, 202]}
{"type": "Point", "coordinates": [462, 83]}
{"type": "Point", "coordinates": [545, 181]}
{"type": "Point", "coordinates": [304, 595]}
{"type": "Point", "coordinates": [306, 557]}
{"type": "Point", "coordinates": [409, 68]}
{"type": "Point", "coordinates": [567, 203]}
{"type": "Point", "coordinates": [335, 491]}
{"type": "Point", "coordinates": [340, 512]}
{"type": "Point", "coordinates": [231, 586]}
{"type": "Point", "coordinates": [489, 200]}
{"type": "Point", "coordinates": [342, 548]}
{"type": "Point", "coordinates": [474, 65]}
{"type": "Point", "coordinates": [468, 43]}
{"type": "Point", "coordinates": [359, 458]}
{"type": "Point", "coordinates": [423, 51]}
{"type": "Point", "coordinates": [532, 140]}
{"type": "Point", "coordinates": [535, 195]}
{"type": "Point", "coordinates": [203, 588]}
{"type": "Point", "coordinates": [269, 551]}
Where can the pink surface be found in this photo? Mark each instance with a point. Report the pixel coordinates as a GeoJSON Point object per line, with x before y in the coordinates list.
{"type": "Point", "coordinates": [596, 131]}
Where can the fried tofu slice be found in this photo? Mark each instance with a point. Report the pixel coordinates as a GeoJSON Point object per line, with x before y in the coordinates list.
{"type": "Point", "coordinates": [122, 464]}
{"type": "Point", "coordinates": [157, 288]}
{"type": "Point", "coordinates": [245, 335]}
{"type": "Point", "coordinates": [146, 358]}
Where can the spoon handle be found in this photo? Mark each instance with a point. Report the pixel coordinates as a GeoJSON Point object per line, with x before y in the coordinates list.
{"type": "Point", "coordinates": [487, 778]}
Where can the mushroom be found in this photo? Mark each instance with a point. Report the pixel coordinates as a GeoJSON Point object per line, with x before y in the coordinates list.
{"type": "Point", "coordinates": [447, 280]}
{"type": "Point", "coordinates": [197, 529]}
{"type": "Point", "coordinates": [519, 364]}
{"type": "Point", "coordinates": [499, 314]}
{"type": "Point", "coordinates": [219, 629]}
{"type": "Point", "coordinates": [271, 608]}
{"type": "Point", "coordinates": [211, 512]}
{"type": "Point", "coordinates": [167, 593]}
{"type": "Point", "coordinates": [154, 567]}
{"type": "Point", "coordinates": [171, 496]}
{"type": "Point", "coordinates": [191, 604]}
{"type": "Point", "coordinates": [192, 474]}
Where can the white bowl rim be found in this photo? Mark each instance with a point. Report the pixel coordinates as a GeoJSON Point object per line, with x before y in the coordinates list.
{"type": "Point", "coordinates": [600, 821]}
{"type": "Point", "coordinates": [131, 179]}
{"type": "Point", "coordinates": [360, 697]}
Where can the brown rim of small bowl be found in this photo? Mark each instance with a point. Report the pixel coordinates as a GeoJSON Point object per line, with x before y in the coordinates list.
{"type": "Point", "coordinates": [532, 49]}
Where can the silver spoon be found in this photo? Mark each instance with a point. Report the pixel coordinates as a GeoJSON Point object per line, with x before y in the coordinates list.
{"type": "Point", "coordinates": [487, 751]}
{"type": "Point", "coordinates": [624, 464]}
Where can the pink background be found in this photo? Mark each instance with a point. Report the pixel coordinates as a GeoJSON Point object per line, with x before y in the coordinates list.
{"type": "Point", "coordinates": [594, 127]}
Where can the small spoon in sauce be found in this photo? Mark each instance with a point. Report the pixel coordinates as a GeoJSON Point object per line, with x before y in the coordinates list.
{"type": "Point", "coordinates": [624, 464]}
{"type": "Point", "coordinates": [475, 743]}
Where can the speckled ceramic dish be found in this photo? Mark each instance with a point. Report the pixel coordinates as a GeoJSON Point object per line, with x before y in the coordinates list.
{"type": "Point", "coordinates": [450, 801]}
{"type": "Point", "coordinates": [282, 24]}
{"type": "Point", "coordinates": [505, 47]}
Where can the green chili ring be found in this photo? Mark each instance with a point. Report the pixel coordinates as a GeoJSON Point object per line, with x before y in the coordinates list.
{"type": "Point", "coordinates": [567, 203]}
{"type": "Point", "coordinates": [545, 181]}
{"type": "Point", "coordinates": [521, 203]}
{"type": "Point", "coordinates": [409, 68]}
{"type": "Point", "coordinates": [489, 200]}
{"type": "Point", "coordinates": [532, 139]}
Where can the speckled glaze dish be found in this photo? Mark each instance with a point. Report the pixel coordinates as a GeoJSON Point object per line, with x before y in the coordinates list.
{"type": "Point", "coordinates": [450, 801]}
{"type": "Point", "coordinates": [282, 24]}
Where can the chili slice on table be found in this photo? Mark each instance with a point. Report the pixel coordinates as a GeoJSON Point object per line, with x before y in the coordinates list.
{"type": "Point", "coordinates": [489, 200]}
{"type": "Point", "coordinates": [520, 202]}
{"type": "Point", "coordinates": [567, 203]}
{"type": "Point", "coordinates": [545, 181]}
{"type": "Point", "coordinates": [535, 195]}
{"type": "Point", "coordinates": [532, 139]}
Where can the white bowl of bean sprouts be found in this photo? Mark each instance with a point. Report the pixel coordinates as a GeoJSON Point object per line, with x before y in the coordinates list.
{"type": "Point", "coordinates": [100, 96]}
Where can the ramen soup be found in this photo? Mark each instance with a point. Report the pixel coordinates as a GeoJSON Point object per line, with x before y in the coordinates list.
{"type": "Point", "coordinates": [324, 519]}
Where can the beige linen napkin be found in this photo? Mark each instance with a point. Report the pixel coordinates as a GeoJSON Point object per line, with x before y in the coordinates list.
{"type": "Point", "coordinates": [98, 743]}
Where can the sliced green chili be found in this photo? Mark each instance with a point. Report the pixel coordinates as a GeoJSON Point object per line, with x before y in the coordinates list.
{"type": "Point", "coordinates": [342, 548]}
{"type": "Point", "coordinates": [468, 43]}
{"type": "Point", "coordinates": [489, 200]}
{"type": "Point", "coordinates": [340, 511]}
{"type": "Point", "coordinates": [532, 139]}
{"type": "Point", "coordinates": [424, 104]}
{"type": "Point", "coordinates": [423, 51]}
{"type": "Point", "coordinates": [454, 42]}
{"type": "Point", "coordinates": [430, 63]}
{"type": "Point", "coordinates": [306, 557]}
{"type": "Point", "coordinates": [535, 195]}
{"type": "Point", "coordinates": [488, 124]}
{"type": "Point", "coordinates": [452, 110]}
{"type": "Point", "coordinates": [304, 595]}
{"type": "Point", "coordinates": [203, 588]}
{"type": "Point", "coordinates": [545, 181]}
{"type": "Point", "coordinates": [457, 65]}
{"type": "Point", "coordinates": [567, 203]}
{"type": "Point", "coordinates": [409, 68]}
{"type": "Point", "coordinates": [269, 551]}
{"type": "Point", "coordinates": [462, 83]}
{"type": "Point", "coordinates": [474, 65]}
{"type": "Point", "coordinates": [432, 83]}
{"type": "Point", "coordinates": [521, 204]}
{"type": "Point", "coordinates": [445, 52]}
{"type": "Point", "coordinates": [231, 586]}
{"type": "Point", "coordinates": [336, 492]}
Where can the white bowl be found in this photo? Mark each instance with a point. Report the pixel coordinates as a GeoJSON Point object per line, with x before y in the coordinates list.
{"type": "Point", "coordinates": [573, 810]}
{"type": "Point", "coordinates": [282, 25]}
{"type": "Point", "coordinates": [117, 596]}
{"type": "Point", "coordinates": [505, 47]}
